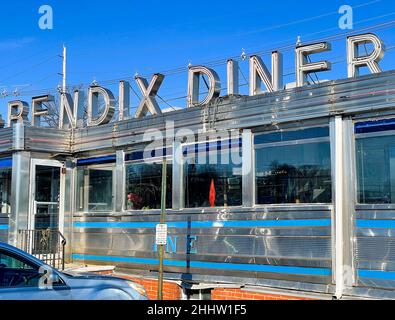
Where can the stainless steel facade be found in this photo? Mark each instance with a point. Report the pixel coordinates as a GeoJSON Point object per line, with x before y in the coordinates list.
{"type": "Point", "coordinates": [321, 248]}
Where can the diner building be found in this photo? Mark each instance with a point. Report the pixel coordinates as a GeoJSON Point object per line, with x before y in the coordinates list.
{"type": "Point", "coordinates": [289, 194]}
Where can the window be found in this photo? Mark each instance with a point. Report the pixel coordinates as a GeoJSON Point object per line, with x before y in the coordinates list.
{"type": "Point", "coordinates": [213, 175]}
{"type": "Point", "coordinates": [5, 190]}
{"type": "Point", "coordinates": [95, 188]}
{"type": "Point", "coordinates": [15, 272]}
{"type": "Point", "coordinates": [375, 157]}
{"type": "Point", "coordinates": [293, 167]}
{"type": "Point", "coordinates": [144, 186]}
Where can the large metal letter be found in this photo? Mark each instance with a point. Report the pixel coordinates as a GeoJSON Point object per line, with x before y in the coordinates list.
{"type": "Point", "coordinates": [17, 112]}
{"type": "Point", "coordinates": [124, 100]}
{"type": "Point", "coordinates": [37, 108]}
{"type": "Point", "coordinates": [260, 74]}
{"type": "Point", "coordinates": [233, 77]}
{"type": "Point", "coordinates": [214, 86]}
{"type": "Point", "coordinates": [65, 105]}
{"type": "Point", "coordinates": [355, 62]}
{"type": "Point", "coordinates": [303, 67]}
{"type": "Point", "coordinates": [93, 104]}
{"type": "Point", "coordinates": [148, 102]}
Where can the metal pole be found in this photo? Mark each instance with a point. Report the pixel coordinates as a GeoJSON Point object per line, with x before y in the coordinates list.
{"type": "Point", "coordinates": [162, 221]}
{"type": "Point", "coordinates": [64, 68]}
{"type": "Point", "coordinates": [64, 86]}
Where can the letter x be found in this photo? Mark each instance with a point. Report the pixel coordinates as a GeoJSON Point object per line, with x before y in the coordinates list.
{"type": "Point", "coordinates": [148, 102]}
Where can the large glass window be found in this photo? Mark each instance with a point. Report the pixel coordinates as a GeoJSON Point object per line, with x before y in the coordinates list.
{"type": "Point", "coordinates": [375, 155]}
{"type": "Point", "coordinates": [293, 167]}
{"type": "Point", "coordinates": [144, 186]}
{"type": "Point", "coordinates": [5, 190]}
{"type": "Point", "coordinates": [95, 189]}
{"type": "Point", "coordinates": [213, 175]}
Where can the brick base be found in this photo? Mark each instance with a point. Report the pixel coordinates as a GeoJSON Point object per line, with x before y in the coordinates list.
{"type": "Point", "coordinates": [171, 291]}
{"type": "Point", "coordinates": [238, 294]}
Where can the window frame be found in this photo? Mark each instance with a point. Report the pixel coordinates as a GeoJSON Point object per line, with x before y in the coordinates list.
{"type": "Point", "coordinates": [36, 268]}
{"type": "Point", "coordinates": [367, 135]}
{"type": "Point", "coordinates": [159, 160]}
{"type": "Point", "coordinates": [7, 214]}
{"type": "Point", "coordinates": [260, 146]}
{"type": "Point", "coordinates": [219, 152]}
{"type": "Point", "coordinates": [113, 166]}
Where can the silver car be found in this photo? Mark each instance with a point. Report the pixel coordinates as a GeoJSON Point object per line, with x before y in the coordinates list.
{"type": "Point", "coordinates": [24, 277]}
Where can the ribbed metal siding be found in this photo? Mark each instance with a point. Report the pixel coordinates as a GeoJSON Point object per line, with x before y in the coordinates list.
{"type": "Point", "coordinates": [301, 240]}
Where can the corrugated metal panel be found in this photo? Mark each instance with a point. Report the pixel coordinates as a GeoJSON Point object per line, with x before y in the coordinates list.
{"type": "Point", "coordinates": [272, 243]}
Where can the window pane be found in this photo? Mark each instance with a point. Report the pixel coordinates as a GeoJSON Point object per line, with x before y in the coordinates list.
{"type": "Point", "coordinates": [294, 174]}
{"type": "Point", "coordinates": [144, 186]}
{"type": "Point", "coordinates": [5, 191]}
{"type": "Point", "coordinates": [376, 169]}
{"type": "Point", "coordinates": [15, 272]}
{"type": "Point", "coordinates": [213, 180]}
{"type": "Point", "coordinates": [95, 189]}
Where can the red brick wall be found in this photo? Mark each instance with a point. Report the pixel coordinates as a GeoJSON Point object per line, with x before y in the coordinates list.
{"type": "Point", "coordinates": [238, 294]}
{"type": "Point", "coordinates": [171, 291]}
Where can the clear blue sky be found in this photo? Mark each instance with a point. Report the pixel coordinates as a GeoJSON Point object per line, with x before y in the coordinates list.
{"type": "Point", "coordinates": [114, 39]}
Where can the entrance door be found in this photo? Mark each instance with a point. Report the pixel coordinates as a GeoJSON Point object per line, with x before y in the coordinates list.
{"type": "Point", "coordinates": [47, 185]}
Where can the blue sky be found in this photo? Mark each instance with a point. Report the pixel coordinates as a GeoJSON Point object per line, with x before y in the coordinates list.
{"type": "Point", "coordinates": [116, 40]}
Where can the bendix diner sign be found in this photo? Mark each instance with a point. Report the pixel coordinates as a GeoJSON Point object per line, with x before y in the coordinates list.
{"type": "Point", "coordinates": [260, 76]}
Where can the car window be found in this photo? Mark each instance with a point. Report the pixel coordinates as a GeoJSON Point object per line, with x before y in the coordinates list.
{"type": "Point", "coordinates": [16, 272]}
{"type": "Point", "coordinates": [8, 261]}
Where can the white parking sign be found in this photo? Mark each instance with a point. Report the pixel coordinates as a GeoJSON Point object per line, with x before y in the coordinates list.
{"type": "Point", "coordinates": [161, 234]}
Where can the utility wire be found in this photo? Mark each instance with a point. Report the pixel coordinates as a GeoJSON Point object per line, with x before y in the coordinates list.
{"type": "Point", "coordinates": [220, 62]}
{"type": "Point", "coordinates": [28, 69]}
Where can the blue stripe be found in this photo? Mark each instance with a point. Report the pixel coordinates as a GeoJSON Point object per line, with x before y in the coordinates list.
{"type": "Point", "coordinates": [206, 224]}
{"type": "Point", "coordinates": [375, 126]}
{"type": "Point", "coordinates": [213, 146]}
{"type": "Point", "coordinates": [148, 154]}
{"type": "Point", "coordinates": [3, 227]}
{"type": "Point", "coordinates": [6, 163]}
{"type": "Point", "coordinates": [319, 132]}
{"type": "Point", "coordinates": [374, 274]}
{"type": "Point", "coordinates": [210, 265]}
{"type": "Point", "coordinates": [99, 160]}
{"type": "Point", "coordinates": [376, 224]}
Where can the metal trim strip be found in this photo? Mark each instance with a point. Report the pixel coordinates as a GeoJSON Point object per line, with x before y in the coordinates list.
{"type": "Point", "coordinates": [376, 274]}
{"type": "Point", "coordinates": [6, 163]}
{"type": "Point", "coordinates": [376, 224]}
{"type": "Point", "coordinates": [210, 265]}
{"type": "Point", "coordinates": [98, 160]}
{"type": "Point", "coordinates": [206, 224]}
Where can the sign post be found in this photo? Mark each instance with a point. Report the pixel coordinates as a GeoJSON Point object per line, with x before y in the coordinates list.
{"type": "Point", "coordinates": [161, 230]}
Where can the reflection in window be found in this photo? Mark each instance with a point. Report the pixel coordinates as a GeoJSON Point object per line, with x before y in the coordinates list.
{"type": "Point", "coordinates": [15, 272]}
{"type": "Point", "coordinates": [5, 190]}
{"type": "Point", "coordinates": [375, 153]}
{"type": "Point", "coordinates": [289, 172]}
{"type": "Point", "coordinates": [214, 179]}
{"type": "Point", "coordinates": [95, 189]}
{"type": "Point", "coordinates": [144, 186]}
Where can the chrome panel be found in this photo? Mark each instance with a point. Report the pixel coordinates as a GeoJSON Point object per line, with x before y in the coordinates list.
{"type": "Point", "coordinates": [6, 139]}
{"type": "Point", "coordinates": [4, 221]}
{"type": "Point", "coordinates": [351, 96]}
{"type": "Point", "coordinates": [302, 247]}
{"type": "Point", "coordinates": [375, 247]}
{"type": "Point", "coordinates": [19, 195]}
